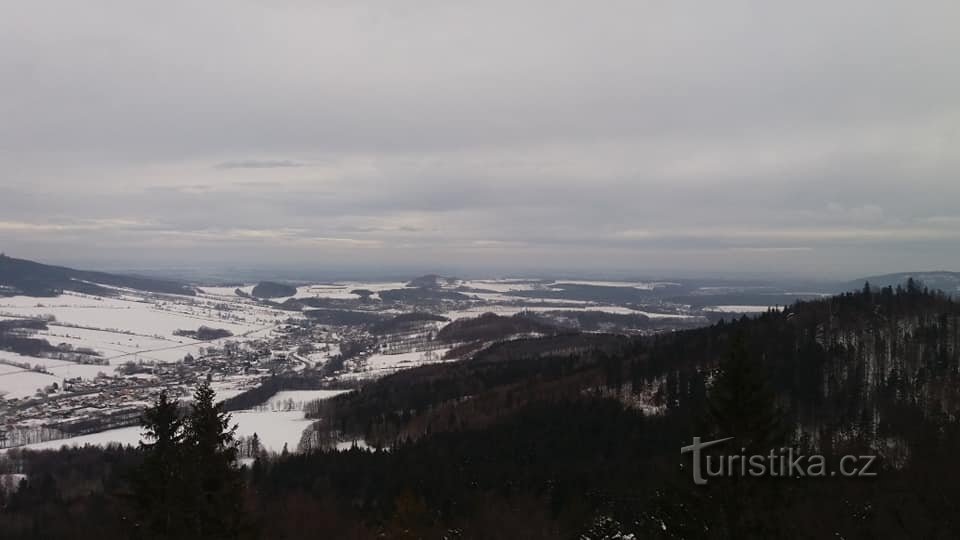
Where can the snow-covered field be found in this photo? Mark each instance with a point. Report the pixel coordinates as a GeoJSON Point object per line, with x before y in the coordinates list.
{"type": "Point", "coordinates": [504, 285]}
{"type": "Point", "coordinates": [23, 384]}
{"type": "Point", "coordinates": [133, 317]}
{"type": "Point", "coordinates": [288, 400]}
{"type": "Point", "coordinates": [274, 428]}
{"type": "Point", "coordinates": [380, 364]}
{"type": "Point", "coordinates": [136, 323]}
{"type": "Point", "coordinates": [123, 436]}
{"type": "Point", "coordinates": [17, 382]}
{"type": "Point", "coordinates": [742, 309]}
{"type": "Point", "coordinates": [127, 328]}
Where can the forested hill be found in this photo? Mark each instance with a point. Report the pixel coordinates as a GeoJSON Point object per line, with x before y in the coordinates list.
{"type": "Point", "coordinates": [948, 282]}
{"type": "Point", "coordinates": [20, 276]}
{"type": "Point", "coordinates": [873, 365]}
{"type": "Point", "coordinates": [858, 365]}
{"type": "Point", "coordinates": [578, 436]}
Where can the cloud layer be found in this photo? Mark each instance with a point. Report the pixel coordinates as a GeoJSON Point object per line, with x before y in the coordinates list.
{"type": "Point", "coordinates": [816, 139]}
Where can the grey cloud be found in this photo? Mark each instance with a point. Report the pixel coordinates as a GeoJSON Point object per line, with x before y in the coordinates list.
{"type": "Point", "coordinates": [259, 164]}
{"type": "Point", "coordinates": [805, 137]}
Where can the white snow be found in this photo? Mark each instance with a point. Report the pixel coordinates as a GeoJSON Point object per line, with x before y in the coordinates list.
{"type": "Point", "coordinates": [293, 400]}
{"type": "Point", "coordinates": [742, 309]}
{"type": "Point", "coordinates": [129, 328]}
{"type": "Point", "coordinates": [17, 382]}
{"type": "Point", "coordinates": [379, 364]}
{"type": "Point", "coordinates": [347, 445]}
{"type": "Point", "coordinates": [273, 428]}
{"type": "Point", "coordinates": [143, 318]}
{"type": "Point", "coordinates": [124, 436]}
{"type": "Point", "coordinates": [10, 482]}
{"type": "Point", "coordinates": [503, 285]}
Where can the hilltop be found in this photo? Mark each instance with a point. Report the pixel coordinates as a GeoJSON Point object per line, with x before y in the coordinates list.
{"type": "Point", "coordinates": [20, 276]}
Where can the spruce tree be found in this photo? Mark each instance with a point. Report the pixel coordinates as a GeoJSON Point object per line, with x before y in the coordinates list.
{"type": "Point", "coordinates": [741, 405]}
{"type": "Point", "coordinates": [211, 452]}
{"type": "Point", "coordinates": [255, 446]}
{"type": "Point", "coordinates": [159, 479]}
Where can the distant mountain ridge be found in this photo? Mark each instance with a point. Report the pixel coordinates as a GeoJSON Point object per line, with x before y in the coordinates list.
{"type": "Point", "coordinates": [20, 276]}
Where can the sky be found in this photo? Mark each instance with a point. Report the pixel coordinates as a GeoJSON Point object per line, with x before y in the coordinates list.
{"type": "Point", "coordinates": [813, 138]}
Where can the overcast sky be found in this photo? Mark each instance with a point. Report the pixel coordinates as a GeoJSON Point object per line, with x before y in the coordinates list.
{"type": "Point", "coordinates": [809, 137]}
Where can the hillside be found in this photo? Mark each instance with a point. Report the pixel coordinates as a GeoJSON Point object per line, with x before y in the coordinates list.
{"type": "Point", "coordinates": [20, 276]}
{"type": "Point", "coordinates": [948, 282]}
{"type": "Point", "coordinates": [577, 436]}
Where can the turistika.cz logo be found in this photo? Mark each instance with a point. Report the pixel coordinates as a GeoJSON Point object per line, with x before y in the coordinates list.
{"type": "Point", "coordinates": [780, 462]}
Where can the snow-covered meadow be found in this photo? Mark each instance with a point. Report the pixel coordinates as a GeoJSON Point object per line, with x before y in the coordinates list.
{"type": "Point", "coordinates": [129, 327]}
{"type": "Point", "coordinates": [273, 423]}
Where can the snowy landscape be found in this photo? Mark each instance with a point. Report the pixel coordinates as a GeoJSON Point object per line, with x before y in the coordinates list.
{"type": "Point", "coordinates": [111, 354]}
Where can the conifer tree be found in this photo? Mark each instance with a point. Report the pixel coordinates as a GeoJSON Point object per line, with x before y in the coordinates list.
{"type": "Point", "coordinates": [211, 452]}
{"type": "Point", "coordinates": [159, 479]}
{"type": "Point", "coordinates": [742, 405]}
{"type": "Point", "coordinates": [255, 447]}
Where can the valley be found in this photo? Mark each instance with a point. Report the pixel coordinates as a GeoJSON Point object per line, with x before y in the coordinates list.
{"type": "Point", "coordinates": [76, 365]}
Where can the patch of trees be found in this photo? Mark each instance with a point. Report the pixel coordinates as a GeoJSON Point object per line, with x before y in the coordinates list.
{"type": "Point", "coordinates": [599, 321]}
{"type": "Point", "coordinates": [364, 294]}
{"type": "Point", "coordinates": [26, 346]}
{"type": "Point", "coordinates": [948, 282]}
{"type": "Point", "coordinates": [383, 409]}
{"type": "Point", "coordinates": [561, 344]}
{"type": "Point", "coordinates": [491, 327]}
{"type": "Point", "coordinates": [28, 325]}
{"type": "Point", "coordinates": [591, 321]}
{"type": "Point", "coordinates": [135, 368]}
{"type": "Point", "coordinates": [15, 336]}
{"type": "Point", "coordinates": [80, 355]}
{"type": "Point", "coordinates": [271, 289]}
{"type": "Point", "coordinates": [421, 295]}
{"type": "Point", "coordinates": [204, 333]}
